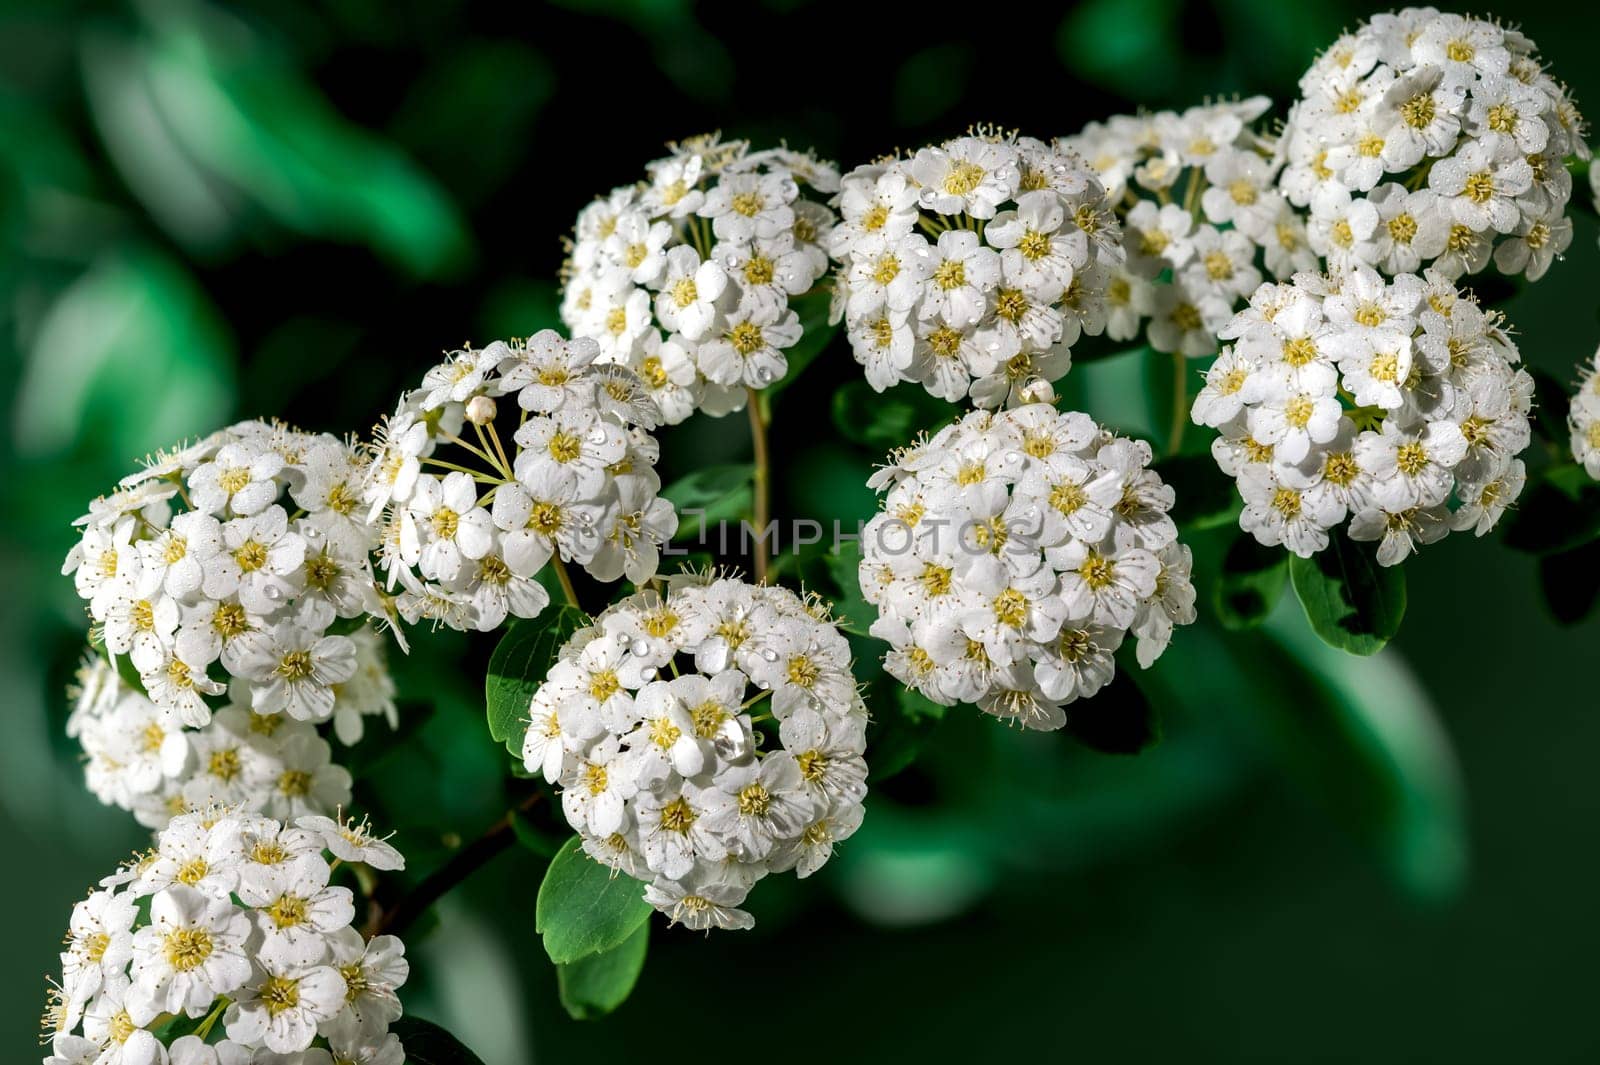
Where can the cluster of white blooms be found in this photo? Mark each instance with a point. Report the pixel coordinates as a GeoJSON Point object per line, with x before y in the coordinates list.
{"type": "Point", "coordinates": [648, 723]}
{"type": "Point", "coordinates": [143, 759]}
{"type": "Point", "coordinates": [465, 537]}
{"type": "Point", "coordinates": [230, 925]}
{"type": "Point", "coordinates": [242, 552]}
{"type": "Point", "coordinates": [1397, 404]}
{"type": "Point", "coordinates": [1201, 217]}
{"type": "Point", "coordinates": [1014, 552]}
{"type": "Point", "coordinates": [1583, 418]}
{"type": "Point", "coordinates": [1433, 138]}
{"type": "Point", "coordinates": [973, 266]}
{"type": "Point", "coordinates": [686, 278]}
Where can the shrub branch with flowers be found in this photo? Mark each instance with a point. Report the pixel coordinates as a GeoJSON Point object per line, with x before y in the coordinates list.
{"type": "Point", "coordinates": [686, 698]}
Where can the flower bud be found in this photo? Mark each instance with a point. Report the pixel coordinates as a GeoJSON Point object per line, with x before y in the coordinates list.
{"type": "Point", "coordinates": [480, 410]}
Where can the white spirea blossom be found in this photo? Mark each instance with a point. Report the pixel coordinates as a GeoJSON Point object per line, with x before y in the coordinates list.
{"type": "Point", "coordinates": [506, 457]}
{"type": "Point", "coordinates": [1014, 553]}
{"type": "Point", "coordinates": [973, 266]}
{"type": "Point", "coordinates": [1433, 139]}
{"type": "Point", "coordinates": [144, 760]}
{"type": "Point", "coordinates": [1202, 219]}
{"type": "Point", "coordinates": [227, 566]}
{"type": "Point", "coordinates": [229, 927]}
{"type": "Point", "coordinates": [702, 738]}
{"type": "Point", "coordinates": [1583, 418]}
{"type": "Point", "coordinates": [687, 277]}
{"type": "Point", "coordinates": [1397, 405]}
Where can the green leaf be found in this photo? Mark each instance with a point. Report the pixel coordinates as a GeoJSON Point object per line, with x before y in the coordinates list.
{"type": "Point", "coordinates": [518, 667]}
{"type": "Point", "coordinates": [585, 908]}
{"type": "Point", "coordinates": [1361, 739]}
{"type": "Point", "coordinates": [1206, 497]}
{"type": "Point", "coordinates": [1250, 584]}
{"type": "Point", "coordinates": [1117, 719]}
{"type": "Point", "coordinates": [427, 1044]}
{"type": "Point", "coordinates": [1353, 603]}
{"type": "Point", "coordinates": [722, 492]}
{"type": "Point", "coordinates": [884, 420]}
{"type": "Point", "coordinates": [1571, 582]}
{"type": "Point", "coordinates": [594, 986]}
{"type": "Point", "coordinates": [815, 333]}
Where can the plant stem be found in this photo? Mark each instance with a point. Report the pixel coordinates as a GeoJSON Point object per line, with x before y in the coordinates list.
{"type": "Point", "coordinates": [761, 513]}
{"type": "Point", "coordinates": [466, 861]}
{"type": "Point", "coordinates": [1180, 402]}
{"type": "Point", "coordinates": [566, 581]}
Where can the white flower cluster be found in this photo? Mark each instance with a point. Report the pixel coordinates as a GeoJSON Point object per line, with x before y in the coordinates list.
{"type": "Point", "coordinates": [1428, 138]}
{"type": "Point", "coordinates": [578, 483]}
{"type": "Point", "coordinates": [1583, 418]}
{"type": "Point", "coordinates": [973, 266]}
{"type": "Point", "coordinates": [144, 760]}
{"type": "Point", "coordinates": [1201, 216]}
{"type": "Point", "coordinates": [1014, 552]}
{"type": "Point", "coordinates": [686, 279]}
{"type": "Point", "coordinates": [230, 925]}
{"type": "Point", "coordinates": [196, 562]}
{"type": "Point", "coordinates": [1397, 404]}
{"type": "Point", "coordinates": [648, 724]}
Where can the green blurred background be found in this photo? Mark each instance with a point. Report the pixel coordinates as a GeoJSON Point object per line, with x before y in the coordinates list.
{"type": "Point", "coordinates": [290, 208]}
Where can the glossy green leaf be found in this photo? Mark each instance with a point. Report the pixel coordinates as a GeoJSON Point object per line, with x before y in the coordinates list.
{"type": "Point", "coordinates": [518, 666]}
{"type": "Point", "coordinates": [585, 908]}
{"type": "Point", "coordinates": [594, 986]}
{"type": "Point", "coordinates": [1250, 584]}
{"type": "Point", "coordinates": [427, 1044]}
{"type": "Point", "coordinates": [1353, 603]}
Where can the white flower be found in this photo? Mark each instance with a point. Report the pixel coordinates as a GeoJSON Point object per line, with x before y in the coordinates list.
{"type": "Point", "coordinates": [1394, 404]}
{"type": "Point", "coordinates": [353, 842]}
{"type": "Point", "coordinates": [293, 902]}
{"type": "Point", "coordinates": [294, 991]}
{"type": "Point", "coordinates": [749, 351]}
{"type": "Point", "coordinates": [711, 905]}
{"type": "Point", "coordinates": [240, 480]}
{"type": "Point", "coordinates": [192, 950]}
{"type": "Point", "coordinates": [294, 670]}
{"type": "Point", "coordinates": [1020, 259]}
{"type": "Point", "coordinates": [665, 779]}
{"type": "Point", "coordinates": [1461, 105]}
{"type": "Point", "coordinates": [1001, 537]}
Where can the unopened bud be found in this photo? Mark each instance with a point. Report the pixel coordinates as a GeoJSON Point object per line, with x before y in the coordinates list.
{"type": "Point", "coordinates": [480, 410]}
{"type": "Point", "coordinates": [1039, 391]}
